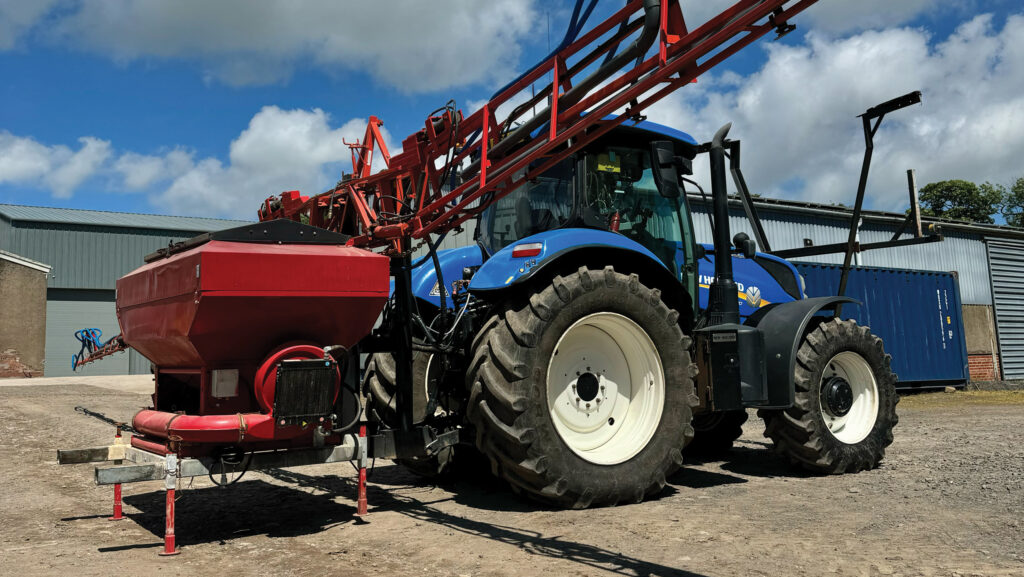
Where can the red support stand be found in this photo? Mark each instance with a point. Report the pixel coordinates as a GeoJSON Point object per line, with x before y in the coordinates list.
{"type": "Point", "coordinates": [117, 503]}
{"type": "Point", "coordinates": [117, 487]}
{"type": "Point", "coordinates": [361, 495]}
{"type": "Point", "coordinates": [169, 483]}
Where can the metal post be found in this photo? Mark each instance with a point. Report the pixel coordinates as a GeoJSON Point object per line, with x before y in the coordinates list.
{"type": "Point", "coordinates": [402, 338]}
{"type": "Point", "coordinates": [869, 146]}
{"type": "Point", "coordinates": [875, 112]}
{"type": "Point", "coordinates": [117, 487]}
{"type": "Point", "coordinates": [170, 481]}
{"type": "Point", "coordinates": [361, 494]}
{"type": "Point", "coordinates": [915, 203]}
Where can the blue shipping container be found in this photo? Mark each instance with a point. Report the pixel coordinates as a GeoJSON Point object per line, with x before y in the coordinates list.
{"type": "Point", "coordinates": [916, 313]}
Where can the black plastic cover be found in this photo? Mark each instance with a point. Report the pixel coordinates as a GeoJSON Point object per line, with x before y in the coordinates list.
{"type": "Point", "coordinates": [281, 231]}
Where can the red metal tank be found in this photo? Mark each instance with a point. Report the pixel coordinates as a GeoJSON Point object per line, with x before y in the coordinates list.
{"type": "Point", "coordinates": [233, 302]}
{"type": "Point", "coordinates": [222, 314]}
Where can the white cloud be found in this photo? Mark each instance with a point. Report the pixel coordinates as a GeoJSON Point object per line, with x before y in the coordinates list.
{"type": "Point", "coordinates": [141, 171]}
{"type": "Point", "coordinates": [18, 16]}
{"type": "Point", "coordinates": [280, 150]}
{"type": "Point", "coordinates": [74, 170]}
{"type": "Point", "coordinates": [796, 115]}
{"type": "Point", "coordinates": [833, 16]}
{"type": "Point", "coordinates": [57, 168]}
{"type": "Point", "coordinates": [413, 45]}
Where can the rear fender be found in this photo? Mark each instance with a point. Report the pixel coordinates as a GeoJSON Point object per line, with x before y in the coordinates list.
{"type": "Point", "coordinates": [784, 326]}
{"type": "Point", "coordinates": [564, 251]}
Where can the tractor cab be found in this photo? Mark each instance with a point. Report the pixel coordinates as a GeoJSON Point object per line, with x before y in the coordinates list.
{"type": "Point", "coordinates": [608, 186]}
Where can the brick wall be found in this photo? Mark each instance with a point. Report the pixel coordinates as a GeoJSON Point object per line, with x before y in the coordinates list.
{"type": "Point", "coordinates": [983, 367]}
{"type": "Point", "coordinates": [11, 365]}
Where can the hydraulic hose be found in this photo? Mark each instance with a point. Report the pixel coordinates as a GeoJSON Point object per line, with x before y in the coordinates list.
{"type": "Point", "coordinates": [648, 34]}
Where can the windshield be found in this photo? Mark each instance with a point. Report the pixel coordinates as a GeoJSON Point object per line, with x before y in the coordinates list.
{"type": "Point", "coordinates": [537, 206]}
{"type": "Point", "coordinates": [621, 193]}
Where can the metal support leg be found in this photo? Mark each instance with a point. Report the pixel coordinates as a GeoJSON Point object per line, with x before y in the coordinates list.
{"type": "Point", "coordinates": [170, 482]}
{"type": "Point", "coordinates": [361, 494]}
{"type": "Point", "coordinates": [117, 487]}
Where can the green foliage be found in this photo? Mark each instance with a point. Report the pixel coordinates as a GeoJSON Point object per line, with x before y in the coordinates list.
{"type": "Point", "coordinates": [961, 200]}
{"type": "Point", "coordinates": [1013, 204]}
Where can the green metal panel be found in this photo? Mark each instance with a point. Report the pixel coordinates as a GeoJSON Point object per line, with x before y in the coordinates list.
{"type": "Point", "coordinates": [1006, 260]}
{"type": "Point", "coordinates": [68, 311]}
{"type": "Point", "coordinates": [20, 213]}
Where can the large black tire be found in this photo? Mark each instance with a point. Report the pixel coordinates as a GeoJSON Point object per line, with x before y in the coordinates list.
{"type": "Point", "coordinates": [380, 372]}
{"type": "Point", "coordinates": [380, 378]}
{"type": "Point", "coordinates": [802, 434]}
{"type": "Point", "coordinates": [509, 406]}
{"type": "Point", "coordinates": [715, 433]}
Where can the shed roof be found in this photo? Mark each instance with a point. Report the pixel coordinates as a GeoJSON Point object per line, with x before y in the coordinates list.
{"type": "Point", "coordinates": [21, 213]}
{"type": "Point", "coordinates": [26, 262]}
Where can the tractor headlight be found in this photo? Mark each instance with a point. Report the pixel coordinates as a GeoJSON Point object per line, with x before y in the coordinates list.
{"type": "Point", "coordinates": [803, 285]}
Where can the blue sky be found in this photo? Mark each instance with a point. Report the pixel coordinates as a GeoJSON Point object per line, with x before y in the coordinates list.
{"type": "Point", "coordinates": [205, 108]}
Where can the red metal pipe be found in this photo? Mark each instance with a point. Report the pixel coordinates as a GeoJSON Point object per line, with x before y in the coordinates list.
{"type": "Point", "coordinates": [117, 486]}
{"type": "Point", "coordinates": [169, 546]}
{"type": "Point", "coordinates": [224, 429]}
{"type": "Point", "coordinates": [361, 493]}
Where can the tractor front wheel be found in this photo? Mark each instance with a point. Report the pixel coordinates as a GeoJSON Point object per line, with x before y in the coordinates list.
{"type": "Point", "coordinates": [845, 407]}
{"type": "Point", "coordinates": [582, 394]}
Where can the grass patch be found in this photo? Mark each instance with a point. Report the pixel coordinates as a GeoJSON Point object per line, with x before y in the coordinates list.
{"type": "Point", "coordinates": [961, 398]}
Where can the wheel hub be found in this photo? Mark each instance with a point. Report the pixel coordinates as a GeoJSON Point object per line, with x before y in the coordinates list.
{"type": "Point", "coordinates": [587, 387]}
{"type": "Point", "coordinates": [838, 396]}
{"type": "Point", "coordinates": [605, 388]}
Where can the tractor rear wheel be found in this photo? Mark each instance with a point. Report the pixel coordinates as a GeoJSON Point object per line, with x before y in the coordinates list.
{"type": "Point", "coordinates": [582, 394]}
{"type": "Point", "coordinates": [845, 407]}
{"type": "Point", "coordinates": [380, 380]}
{"type": "Point", "coordinates": [714, 433]}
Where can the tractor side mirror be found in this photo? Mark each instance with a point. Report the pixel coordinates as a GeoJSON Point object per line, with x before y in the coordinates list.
{"type": "Point", "coordinates": [744, 245]}
{"type": "Point", "coordinates": [663, 167]}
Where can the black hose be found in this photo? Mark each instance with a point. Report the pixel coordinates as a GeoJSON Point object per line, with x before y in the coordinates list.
{"type": "Point", "coordinates": [245, 461]}
{"type": "Point", "coordinates": [649, 32]}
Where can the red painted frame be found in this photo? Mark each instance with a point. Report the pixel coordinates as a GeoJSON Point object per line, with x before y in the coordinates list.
{"type": "Point", "coordinates": [406, 201]}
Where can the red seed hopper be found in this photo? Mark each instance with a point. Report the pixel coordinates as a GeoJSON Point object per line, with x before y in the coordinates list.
{"type": "Point", "coordinates": [236, 323]}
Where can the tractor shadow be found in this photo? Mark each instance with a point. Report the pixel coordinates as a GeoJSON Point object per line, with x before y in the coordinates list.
{"type": "Point", "coordinates": [306, 504]}
{"type": "Point", "coordinates": [746, 460]}
{"type": "Point", "coordinates": [246, 509]}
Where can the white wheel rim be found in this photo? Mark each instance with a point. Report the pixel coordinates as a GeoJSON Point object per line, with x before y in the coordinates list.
{"type": "Point", "coordinates": [854, 425]}
{"type": "Point", "coordinates": [605, 388]}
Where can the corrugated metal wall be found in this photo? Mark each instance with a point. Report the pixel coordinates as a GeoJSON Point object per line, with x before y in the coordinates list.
{"type": "Point", "coordinates": [1006, 259]}
{"type": "Point", "coordinates": [961, 253]}
{"type": "Point", "coordinates": [87, 257]}
{"type": "Point", "coordinates": [68, 311]}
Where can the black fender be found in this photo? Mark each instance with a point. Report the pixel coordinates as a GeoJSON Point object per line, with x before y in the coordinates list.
{"type": "Point", "coordinates": [783, 327]}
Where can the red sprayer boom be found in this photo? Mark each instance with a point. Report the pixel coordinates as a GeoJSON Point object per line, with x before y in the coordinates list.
{"type": "Point", "coordinates": [456, 166]}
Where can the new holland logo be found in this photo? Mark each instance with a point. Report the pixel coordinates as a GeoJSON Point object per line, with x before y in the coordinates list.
{"type": "Point", "coordinates": [754, 296]}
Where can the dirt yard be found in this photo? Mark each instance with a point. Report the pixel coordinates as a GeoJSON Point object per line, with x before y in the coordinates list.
{"type": "Point", "coordinates": [948, 501]}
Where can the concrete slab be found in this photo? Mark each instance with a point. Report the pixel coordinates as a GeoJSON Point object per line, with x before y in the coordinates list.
{"type": "Point", "coordinates": [123, 383]}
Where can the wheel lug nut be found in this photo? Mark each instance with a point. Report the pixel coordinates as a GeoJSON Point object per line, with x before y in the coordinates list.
{"type": "Point", "coordinates": [588, 405]}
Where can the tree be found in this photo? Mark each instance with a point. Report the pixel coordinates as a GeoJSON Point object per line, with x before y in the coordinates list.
{"type": "Point", "coordinates": [962, 200]}
{"type": "Point", "coordinates": [1013, 204]}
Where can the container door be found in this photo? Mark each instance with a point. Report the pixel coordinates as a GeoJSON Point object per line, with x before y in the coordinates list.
{"type": "Point", "coordinates": [1006, 261]}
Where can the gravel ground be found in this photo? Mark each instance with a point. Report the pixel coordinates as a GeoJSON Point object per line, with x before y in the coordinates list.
{"type": "Point", "coordinates": [948, 501]}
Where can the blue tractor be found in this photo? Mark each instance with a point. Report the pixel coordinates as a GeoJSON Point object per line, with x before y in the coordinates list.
{"type": "Point", "coordinates": [588, 339]}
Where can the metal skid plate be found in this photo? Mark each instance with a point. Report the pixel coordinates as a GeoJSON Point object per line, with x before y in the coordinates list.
{"type": "Point", "coordinates": [139, 465]}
